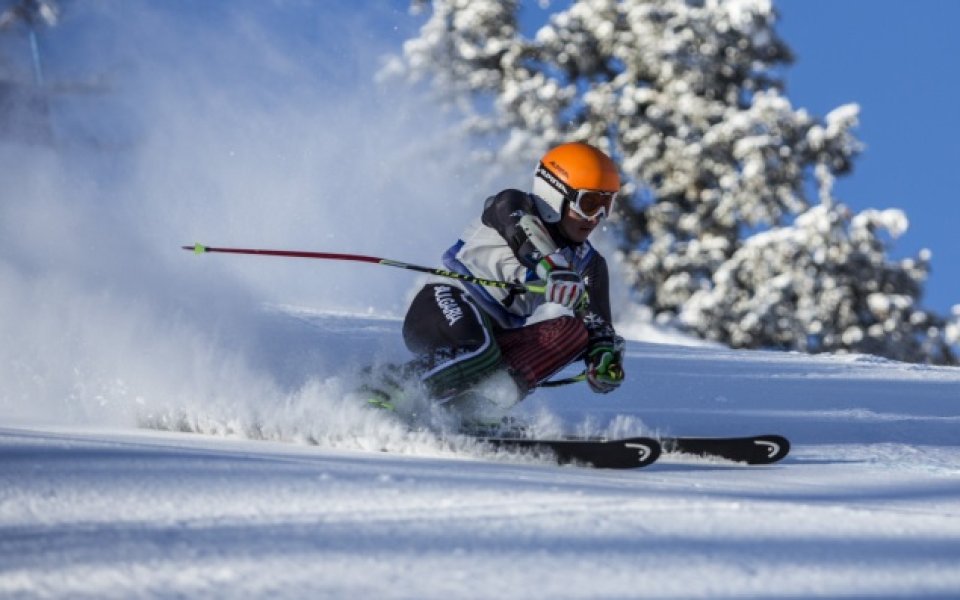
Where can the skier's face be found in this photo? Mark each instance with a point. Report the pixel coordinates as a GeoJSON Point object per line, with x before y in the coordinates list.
{"type": "Point", "coordinates": [577, 228]}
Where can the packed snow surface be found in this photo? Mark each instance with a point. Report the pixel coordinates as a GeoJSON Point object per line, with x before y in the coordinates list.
{"type": "Point", "coordinates": [292, 496]}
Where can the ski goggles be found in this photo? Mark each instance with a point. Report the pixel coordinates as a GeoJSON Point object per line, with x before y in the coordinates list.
{"type": "Point", "coordinates": [589, 204]}
{"type": "Point", "coordinates": [592, 204]}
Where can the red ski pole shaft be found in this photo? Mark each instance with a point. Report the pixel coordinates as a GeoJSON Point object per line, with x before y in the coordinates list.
{"type": "Point", "coordinates": [201, 249]}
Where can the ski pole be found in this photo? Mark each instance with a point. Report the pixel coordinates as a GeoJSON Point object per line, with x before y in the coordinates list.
{"type": "Point", "coordinates": [513, 286]}
{"type": "Point", "coordinates": [575, 379]}
{"type": "Point", "coordinates": [567, 381]}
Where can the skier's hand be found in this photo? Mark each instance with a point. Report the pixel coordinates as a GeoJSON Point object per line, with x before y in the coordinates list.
{"type": "Point", "coordinates": [565, 288]}
{"type": "Point", "coordinates": [605, 366]}
{"type": "Point", "coordinates": [563, 285]}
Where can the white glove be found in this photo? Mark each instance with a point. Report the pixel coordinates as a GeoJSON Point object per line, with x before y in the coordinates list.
{"type": "Point", "coordinates": [563, 285]}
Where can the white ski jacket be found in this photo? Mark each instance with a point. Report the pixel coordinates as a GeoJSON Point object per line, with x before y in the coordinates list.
{"type": "Point", "coordinates": [506, 243]}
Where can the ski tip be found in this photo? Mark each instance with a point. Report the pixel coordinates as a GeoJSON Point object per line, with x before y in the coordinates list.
{"type": "Point", "coordinates": [776, 447]}
{"type": "Point", "coordinates": [197, 248]}
{"type": "Point", "coordinates": [752, 450]}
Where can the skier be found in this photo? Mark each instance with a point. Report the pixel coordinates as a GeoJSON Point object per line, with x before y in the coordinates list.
{"type": "Point", "coordinates": [478, 347]}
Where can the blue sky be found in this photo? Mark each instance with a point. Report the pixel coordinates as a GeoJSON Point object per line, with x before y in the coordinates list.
{"type": "Point", "coordinates": [898, 61]}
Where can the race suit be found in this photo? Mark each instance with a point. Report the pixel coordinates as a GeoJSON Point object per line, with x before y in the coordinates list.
{"type": "Point", "coordinates": [465, 331]}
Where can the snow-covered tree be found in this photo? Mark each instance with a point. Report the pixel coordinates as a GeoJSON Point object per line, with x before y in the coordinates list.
{"type": "Point", "coordinates": [824, 284]}
{"type": "Point", "coordinates": [684, 93]}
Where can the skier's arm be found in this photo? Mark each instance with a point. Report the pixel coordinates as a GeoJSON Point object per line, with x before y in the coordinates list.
{"type": "Point", "coordinates": [604, 355]}
{"type": "Point", "coordinates": [512, 214]}
{"type": "Point", "coordinates": [596, 315]}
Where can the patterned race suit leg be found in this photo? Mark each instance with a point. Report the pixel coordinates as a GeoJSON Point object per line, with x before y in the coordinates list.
{"type": "Point", "coordinates": [535, 352]}
{"type": "Point", "coordinates": [460, 345]}
{"type": "Point", "coordinates": [453, 337]}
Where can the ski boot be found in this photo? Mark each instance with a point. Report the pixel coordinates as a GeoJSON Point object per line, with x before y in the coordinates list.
{"type": "Point", "coordinates": [482, 409]}
{"type": "Point", "coordinates": [391, 386]}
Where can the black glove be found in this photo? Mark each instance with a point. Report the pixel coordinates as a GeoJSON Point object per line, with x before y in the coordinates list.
{"type": "Point", "coordinates": [605, 366]}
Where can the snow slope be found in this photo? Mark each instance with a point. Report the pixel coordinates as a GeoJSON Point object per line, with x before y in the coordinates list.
{"type": "Point", "coordinates": [287, 495]}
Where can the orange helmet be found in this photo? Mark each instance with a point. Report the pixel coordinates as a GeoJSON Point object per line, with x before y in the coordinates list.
{"type": "Point", "coordinates": [566, 172]}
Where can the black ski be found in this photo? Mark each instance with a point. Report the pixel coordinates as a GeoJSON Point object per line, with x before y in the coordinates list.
{"type": "Point", "coordinates": [753, 450]}
{"type": "Point", "coordinates": [626, 453]}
